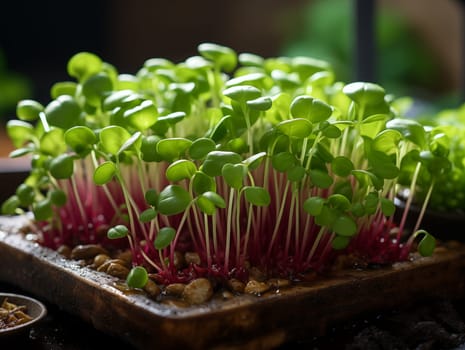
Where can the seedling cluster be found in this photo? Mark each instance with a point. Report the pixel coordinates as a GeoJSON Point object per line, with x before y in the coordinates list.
{"type": "Point", "coordinates": [246, 161]}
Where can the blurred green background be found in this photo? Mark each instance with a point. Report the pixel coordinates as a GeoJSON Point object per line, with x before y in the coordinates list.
{"type": "Point", "coordinates": [417, 53]}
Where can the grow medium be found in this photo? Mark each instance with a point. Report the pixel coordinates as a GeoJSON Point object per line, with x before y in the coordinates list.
{"type": "Point", "coordinates": [245, 321]}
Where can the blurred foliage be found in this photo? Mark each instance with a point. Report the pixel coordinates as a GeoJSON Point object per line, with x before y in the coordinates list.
{"type": "Point", "coordinates": [405, 65]}
{"type": "Point", "coordinates": [13, 87]}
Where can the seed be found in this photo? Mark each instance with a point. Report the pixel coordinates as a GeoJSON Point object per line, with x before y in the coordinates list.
{"type": "Point", "coordinates": [178, 260]}
{"type": "Point", "coordinates": [64, 250]}
{"type": "Point", "coordinates": [99, 259]}
{"type": "Point", "coordinates": [236, 286]}
{"type": "Point", "coordinates": [175, 289]}
{"type": "Point", "coordinates": [104, 267]}
{"type": "Point", "coordinates": [279, 283]}
{"type": "Point", "coordinates": [87, 251]}
{"type": "Point", "coordinates": [152, 288]}
{"type": "Point", "coordinates": [256, 274]}
{"type": "Point", "coordinates": [256, 287]}
{"type": "Point", "coordinates": [117, 270]}
{"type": "Point", "coordinates": [192, 258]}
{"type": "Point", "coordinates": [198, 291]}
{"type": "Point", "coordinates": [126, 256]}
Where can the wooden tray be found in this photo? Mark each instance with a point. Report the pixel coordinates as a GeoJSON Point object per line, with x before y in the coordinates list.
{"type": "Point", "coordinates": [246, 321]}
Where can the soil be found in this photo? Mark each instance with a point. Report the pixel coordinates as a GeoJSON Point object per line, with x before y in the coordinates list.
{"type": "Point", "coordinates": [439, 324]}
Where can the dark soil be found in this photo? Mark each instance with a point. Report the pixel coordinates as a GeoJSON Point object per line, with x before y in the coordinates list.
{"type": "Point", "coordinates": [437, 324]}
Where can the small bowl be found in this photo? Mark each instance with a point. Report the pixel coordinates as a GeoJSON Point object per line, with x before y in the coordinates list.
{"type": "Point", "coordinates": [34, 309]}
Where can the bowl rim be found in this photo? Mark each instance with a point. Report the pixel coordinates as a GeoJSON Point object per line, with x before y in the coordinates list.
{"type": "Point", "coordinates": [26, 325]}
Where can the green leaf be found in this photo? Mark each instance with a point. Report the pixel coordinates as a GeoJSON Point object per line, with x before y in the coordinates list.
{"type": "Point", "coordinates": [215, 161]}
{"type": "Point", "coordinates": [62, 166]}
{"type": "Point", "coordinates": [83, 65]}
{"type": "Point", "coordinates": [142, 116]}
{"type": "Point", "coordinates": [314, 205]}
{"type": "Point", "coordinates": [133, 143]}
{"type": "Point", "coordinates": [151, 197]}
{"type": "Point", "coordinates": [257, 195]}
{"type": "Point", "coordinates": [340, 242]}
{"type": "Point", "coordinates": [260, 104]}
{"type": "Point", "coordinates": [104, 173]}
{"type": "Point", "coordinates": [201, 147]}
{"type": "Point", "coordinates": [58, 197]}
{"type": "Point", "coordinates": [53, 142]}
{"type": "Point", "coordinates": [223, 57]}
{"type": "Point", "coordinates": [180, 170]}
{"type": "Point", "coordinates": [329, 130]}
{"type": "Point", "coordinates": [320, 178]}
{"type": "Point", "coordinates": [387, 141]}
{"type": "Point", "coordinates": [63, 88]}
{"type": "Point", "coordinates": [10, 206]}
{"type": "Point", "coordinates": [209, 201]}
{"type": "Point", "coordinates": [148, 215]}
{"type": "Point", "coordinates": [164, 237]}
{"type": "Point", "coordinates": [342, 166]}
{"type": "Point", "coordinates": [250, 59]}
{"type": "Point", "coordinates": [339, 201]}
{"type": "Point", "coordinates": [19, 132]}
{"type": "Point", "coordinates": [96, 87]}
{"type": "Point", "coordinates": [137, 277]}
{"type": "Point", "coordinates": [234, 174]}
{"type": "Point", "coordinates": [112, 138]}
{"type": "Point", "coordinates": [80, 138]}
{"type": "Point", "coordinates": [242, 93]}
{"type": "Point", "coordinates": [246, 79]}
{"type": "Point", "coordinates": [283, 161]}
{"type": "Point", "coordinates": [327, 216]}
{"type": "Point", "coordinates": [172, 118]}
{"type": "Point", "coordinates": [410, 129]}
{"type": "Point", "coordinates": [297, 128]}
{"type": "Point", "coordinates": [119, 99]}
{"type": "Point", "coordinates": [345, 226]}
{"type": "Point", "coordinates": [215, 198]}
{"type": "Point", "coordinates": [118, 231]}
{"type": "Point", "coordinates": [296, 173]}
{"type": "Point", "coordinates": [383, 165]}
{"type": "Point", "coordinates": [427, 244]}
{"type": "Point", "coordinates": [148, 148]}
{"type": "Point", "coordinates": [171, 148]}
{"type": "Point", "coordinates": [173, 199]}
{"type": "Point", "coordinates": [64, 112]}
{"type": "Point", "coordinates": [364, 93]}
{"type": "Point", "coordinates": [205, 205]}
{"type": "Point", "coordinates": [25, 194]}
{"type": "Point", "coordinates": [371, 203]}
{"type": "Point", "coordinates": [42, 210]}
{"type": "Point", "coordinates": [387, 206]}
{"type": "Point", "coordinates": [312, 109]}
{"type": "Point", "coordinates": [308, 66]}
{"type": "Point", "coordinates": [254, 161]}
{"type": "Point", "coordinates": [28, 110]}
{"type": "Point", "coordinates": [364, 177]}
{"type": "Point", "coordinates": [202, 183]}
{"type": "Point", "coordinates": [440, 145]}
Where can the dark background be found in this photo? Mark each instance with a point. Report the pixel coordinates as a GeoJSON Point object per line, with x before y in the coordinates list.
{"type": "Point", "coordinates": [37, 38]}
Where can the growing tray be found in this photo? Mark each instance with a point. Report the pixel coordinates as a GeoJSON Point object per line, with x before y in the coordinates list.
{"type": "Point", "coordinates": [246, 321]}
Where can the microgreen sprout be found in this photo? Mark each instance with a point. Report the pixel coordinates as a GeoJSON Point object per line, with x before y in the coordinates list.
{"type": "Point", "coordinates": [247, 161]}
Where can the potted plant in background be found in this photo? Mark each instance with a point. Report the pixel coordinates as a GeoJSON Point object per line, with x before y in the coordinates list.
{"type": "Point", "coordinates": [443, 184]}
{"type": "Point", "coordinates": [223, 172]}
